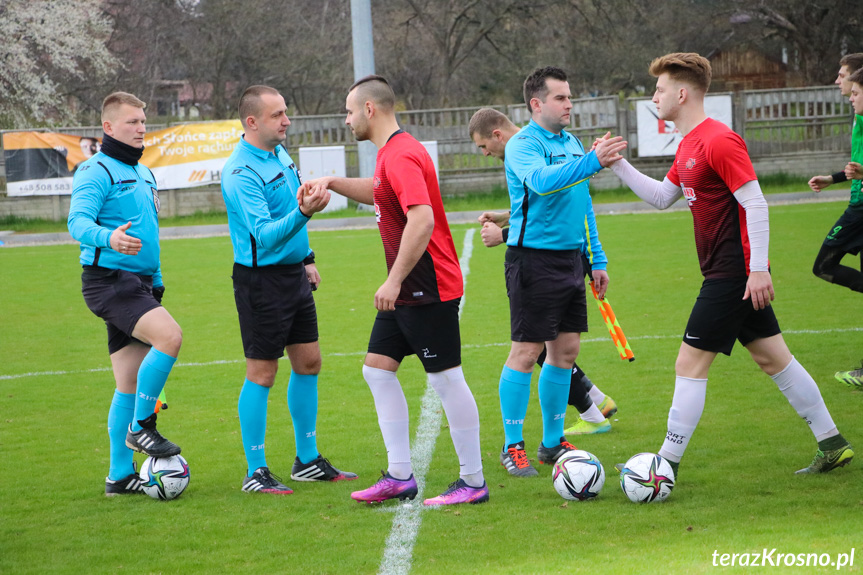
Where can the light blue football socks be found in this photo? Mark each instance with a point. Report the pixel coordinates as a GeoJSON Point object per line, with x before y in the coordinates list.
{"type": "Point", "coordinates": [303, 405]}
{"type": "Point", "coordinates": [553, 396]}
{"type": "Point", "coordinates": [514, 393]}
{"type": "Point", "coordinates": [152, 376]}
{"type": "Point", "coordinates": [252, 408]}
{"type": "Point", "coordinates": [119, 418]}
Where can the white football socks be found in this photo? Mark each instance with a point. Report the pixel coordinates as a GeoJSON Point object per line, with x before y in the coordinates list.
{"type": "Point", "coordinates": [393, 418]}
{"type": "Point", "coordinates": [803, 394]}
{"type": "Point", "coordinates": [463, 417]}
{"type": "Point", "coordinates": [593, 415]}
{"type": "Point", "coordinates": [596, 395]}
{"type": "Point", "coordinates": [686, 409]}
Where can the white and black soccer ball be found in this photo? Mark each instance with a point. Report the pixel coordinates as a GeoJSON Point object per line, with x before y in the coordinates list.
{"type": "Point", "coordinates": [578, 475]}
{"type": "Point", "coordinates": [164, 477]}
{"type": "Point", "coordinates": [647, 478]}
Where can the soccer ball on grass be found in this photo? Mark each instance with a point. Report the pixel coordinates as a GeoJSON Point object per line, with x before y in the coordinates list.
{"type": "Point", "coordinates": [647, 478]}
{"type": "Point", "coordinates": [578, 475]}
{"type": "Point", "coordinates": [165, 477]}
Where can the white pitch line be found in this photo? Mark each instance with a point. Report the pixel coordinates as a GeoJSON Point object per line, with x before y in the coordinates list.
{"type": "Point", "coordinates": [398, 552]}
{"type": "Point", "coordinates": [358, 353]}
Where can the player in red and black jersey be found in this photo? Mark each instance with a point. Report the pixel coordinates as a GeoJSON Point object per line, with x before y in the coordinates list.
{"type": "Point", "coordinates": [417, 304]}
{"type": "Point", "coordinates": [405, 177]}
{"type": "Point", "coordinates": [712, 170]}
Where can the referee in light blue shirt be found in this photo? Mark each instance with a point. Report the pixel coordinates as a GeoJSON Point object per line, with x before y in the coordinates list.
{"type": "Point", "coordinates": [114, 214]}
{"type": "Point", "coordinates": [547, 171]}
{"type": "Point", "coordinates": [274, 274]}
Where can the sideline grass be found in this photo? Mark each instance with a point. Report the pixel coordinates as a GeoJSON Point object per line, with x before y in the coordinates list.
{"type": "Point", "coordinates": [737, 492]}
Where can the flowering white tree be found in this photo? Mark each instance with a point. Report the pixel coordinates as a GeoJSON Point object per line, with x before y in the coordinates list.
{"type": "Point", "coordinates": [49, 45]}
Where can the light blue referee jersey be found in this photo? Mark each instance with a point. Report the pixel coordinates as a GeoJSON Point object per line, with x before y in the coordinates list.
{"type": "Point", "coordinates": [107, 193]}
{"type": "Point", "coordinates": [260, 191]}
{"type": "Point", "coordinates": [547, 176]}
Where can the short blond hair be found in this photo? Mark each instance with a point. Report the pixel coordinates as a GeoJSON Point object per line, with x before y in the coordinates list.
{"type": "Point", "coordinates": [113, 101]}
{"type": "Point", "coordinates": [486, 120]}
{"type": "Point", "coordinates": [687, 67]}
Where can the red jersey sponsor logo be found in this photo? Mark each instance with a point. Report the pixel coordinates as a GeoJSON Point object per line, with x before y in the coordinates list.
{"type": "Point", "coordinates": [377, 212]}
{"type": "Point", "coordinates": [689, 194]}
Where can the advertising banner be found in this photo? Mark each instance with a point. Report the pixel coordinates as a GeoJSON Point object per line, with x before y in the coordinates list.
{"type": "Point", "coordinates": [191, 154]}
{"type": "Point", "coordinates": [42, 163]}
{"type": "Point", "coordinates": [185, 156]}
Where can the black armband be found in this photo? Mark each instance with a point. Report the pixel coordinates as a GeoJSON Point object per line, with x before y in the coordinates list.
{"type": "Point", "coordinates": [839, 177]}
{"type": "Point", "coordinates": [504, 233]}
{"type": "Point", "coordinates": [310, 259]}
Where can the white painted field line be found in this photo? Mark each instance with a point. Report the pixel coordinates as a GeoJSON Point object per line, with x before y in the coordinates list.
{"type": "Point", "coordinates": [398, 551]}
{"type": "Point", "coordinates": [359, 353]}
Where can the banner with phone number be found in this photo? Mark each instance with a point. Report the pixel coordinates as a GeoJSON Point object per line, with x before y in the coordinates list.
{"type": "Point", "coordinates": [185, 156]}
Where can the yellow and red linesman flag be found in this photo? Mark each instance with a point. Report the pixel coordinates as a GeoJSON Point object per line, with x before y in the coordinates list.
{"type": "Point", "coordinates": [613, 327]}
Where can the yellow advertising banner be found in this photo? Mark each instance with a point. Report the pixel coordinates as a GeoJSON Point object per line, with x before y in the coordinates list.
{"type": "Point", "coordinates": [184, 156]}
{"type": "Point", "coordinates": [191, 143]}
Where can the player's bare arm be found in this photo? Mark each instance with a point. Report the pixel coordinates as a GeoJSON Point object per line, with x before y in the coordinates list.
{"type": "Point", "coordinates": [500, 219]}
{"type": "Point", "coordinates": [358, 189]}
{"type": "Point", "coordinates": [818, 183]}
{"type": "Point", "coordinates": [415, 239]}
{"type": "Point", "coordinates": [313, 199]}
{"type": "Point", "coordinates": [123, 243]}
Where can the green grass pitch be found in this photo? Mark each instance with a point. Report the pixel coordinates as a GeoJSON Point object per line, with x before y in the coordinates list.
{"type": "Point", "coordinates": [737, 492]}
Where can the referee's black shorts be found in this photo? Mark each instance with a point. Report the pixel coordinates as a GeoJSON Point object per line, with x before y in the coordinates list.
{"type": "Point", "coordinates": [120, 298]}
{"type": "Point", "coordinates": [721, 315]}
{"type": "Point", "coordinates": [546, 293]}
{"type": "Point", "coordinates": [276, 309]}
{"type": "Point", "coordinates": [430, 331]}
{"type": "Point", "coordinates": [847, 233]}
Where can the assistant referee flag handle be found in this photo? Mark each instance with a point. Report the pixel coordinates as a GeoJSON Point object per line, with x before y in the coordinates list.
{"type": "Point", "coordinates": [614, 328]}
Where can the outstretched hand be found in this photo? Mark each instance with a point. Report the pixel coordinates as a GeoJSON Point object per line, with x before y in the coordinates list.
{"type": "Point", "coordinates": [608, 149]}
{"type": "Point", "coordinates": [123, 243]}
{"type": "Point", "coordinates": [500, 219]}
{"type": "Point", "coordinates": [312, 197]}
{"type": "Point", "coordinates": [818, 183]}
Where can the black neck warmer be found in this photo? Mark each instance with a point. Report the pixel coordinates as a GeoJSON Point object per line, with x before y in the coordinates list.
{"type": "Point", "coordinates": [120, 151]}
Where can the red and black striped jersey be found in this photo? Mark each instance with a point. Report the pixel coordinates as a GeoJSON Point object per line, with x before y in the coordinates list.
{"type": "Point", "coordinates": [711, 164]}
{"type": "Point", "coordinates": [405, 176]}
